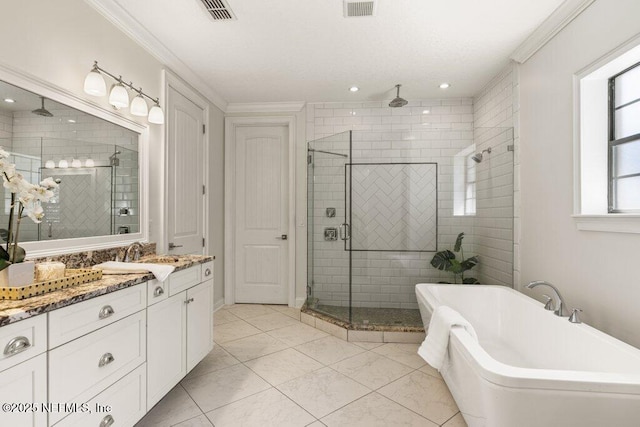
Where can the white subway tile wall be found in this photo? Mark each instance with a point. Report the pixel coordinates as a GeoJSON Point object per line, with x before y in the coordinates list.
{"type": "Point", "coordinates": [424, 131]}
{"type": "Point", "coordinates": [495, 111]}
{"type": "Point", "coordinates": [433, 130]}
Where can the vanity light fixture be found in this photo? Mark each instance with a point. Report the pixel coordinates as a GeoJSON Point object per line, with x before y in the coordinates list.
{"type": "Point", "coordinates": [94, 84]}
{"type": "Point", "coordinates": [156, 116]}
{"type": "Point", "coordinates": [89, 163]}
{"type": "Point", "coordinates": [119, 97]}
{"type": "Point", "coordinates": [139, 105]}
{"type": "Point", "coordinates": [76, 163]}
{"type": "Point", "coordinates": [50, 164]}
{"type": "Point", "coordinates": [63, 164]}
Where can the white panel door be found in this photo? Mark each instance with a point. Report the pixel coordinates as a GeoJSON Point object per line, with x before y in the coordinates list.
{"type": "Point", "coordinates": [262, 217]}
{"type": "Point", "coordinates": [186, 174]}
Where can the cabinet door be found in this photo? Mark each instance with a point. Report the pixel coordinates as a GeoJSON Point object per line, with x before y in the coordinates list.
{"type": "Point", "coordinates": [199, 323]}
{"type": "Point", "coordinates": [25, 383]}
{"type": "Point", "coordinates": [166, 342]}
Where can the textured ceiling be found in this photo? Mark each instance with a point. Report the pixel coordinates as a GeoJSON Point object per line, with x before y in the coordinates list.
{"type": "Point", "coordinates": [305, 50]}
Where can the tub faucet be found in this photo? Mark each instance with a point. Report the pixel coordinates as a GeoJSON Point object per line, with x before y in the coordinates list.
{"type": "Point", "coordinates": [558, 302]}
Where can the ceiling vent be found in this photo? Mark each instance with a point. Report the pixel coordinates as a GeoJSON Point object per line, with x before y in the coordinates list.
{"type": "Point", "coordinates": [354, 9]}
{"type": "Point", "coordinates": [219, 10]}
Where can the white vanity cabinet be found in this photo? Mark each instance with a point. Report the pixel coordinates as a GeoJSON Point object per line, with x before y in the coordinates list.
{"type": "Point", "coordinates": [23, 372]}
{"type": "Point", "coordinates": [179, 330]}
{"type": "Point", "coordinates": [93, 345]}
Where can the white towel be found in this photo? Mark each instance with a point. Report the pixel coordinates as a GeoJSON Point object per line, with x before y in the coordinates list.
{"type": "Point", "coordinates": [434, 347]}
{"type": "Point", "coordinates": [160, 271]}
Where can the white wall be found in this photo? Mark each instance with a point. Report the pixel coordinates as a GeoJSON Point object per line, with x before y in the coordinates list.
{"type": "Point", "coordinates": [58, 42]}
{"type": "Point", "coordinates": [596, 271]}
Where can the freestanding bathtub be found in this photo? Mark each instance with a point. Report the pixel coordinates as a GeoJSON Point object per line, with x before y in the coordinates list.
{"type": "Point", "coordinates": [530, 368]}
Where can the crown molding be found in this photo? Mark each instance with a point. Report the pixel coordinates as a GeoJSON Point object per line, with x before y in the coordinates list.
{"type": "Point", "coordinates": [560, 18]}
{"type": "Point", "coordinates": [265, 107]}
{"type": "Point", "coordinates": [126, 23]}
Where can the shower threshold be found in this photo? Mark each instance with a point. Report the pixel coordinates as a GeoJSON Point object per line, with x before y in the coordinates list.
{"type": "Point", "coordinates": [370, 324]}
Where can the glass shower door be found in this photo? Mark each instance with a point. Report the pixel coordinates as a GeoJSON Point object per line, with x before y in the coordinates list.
{"type": "Point", "coordinates": [329, 258]}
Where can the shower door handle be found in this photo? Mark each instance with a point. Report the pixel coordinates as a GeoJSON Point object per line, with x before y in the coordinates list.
{"type": "Point", "coordinates": [345, 231]}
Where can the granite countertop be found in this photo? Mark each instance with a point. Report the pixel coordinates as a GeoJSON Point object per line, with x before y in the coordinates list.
{"type": "Point", "coordinates": [13, 311]}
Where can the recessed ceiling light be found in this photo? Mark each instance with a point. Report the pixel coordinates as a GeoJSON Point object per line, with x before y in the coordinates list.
{"type": "Point", "coordinates": [354, 88]}
{"type": "Point", "coordinates": [444, 85]}
{"type": "Point", "coordinates": [9, 100]}
{"type": "Point", "coordinates": [353, 113]}
{"type": "Point", "coordinates": [425, 111]}
{"type": "Point", "coordinates": [71, 121]}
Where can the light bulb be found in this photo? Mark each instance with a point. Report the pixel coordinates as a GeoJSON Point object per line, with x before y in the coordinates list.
{"type": "Point", "coordinates": [139, 106]}
{"type": "Point", "coordinates": [119, 97]}
{"type": "Point", "coordinates": [94, 82]}
{"type": "Point", "coordinates": [89, 163]}
{"type": "Point", "coordinates": [63, 164]}
{"type": "Point", "coordinates": [76, 163]}
{"type": "Point", "coordinates": [50, 164]}
{"type": "Point", "coordinates": [156, 116]}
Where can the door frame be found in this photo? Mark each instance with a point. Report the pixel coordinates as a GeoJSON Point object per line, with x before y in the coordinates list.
{"type": "Point", "coordinates": [231, 124]}
{"type": "Point", "coordinates": [171, 80]}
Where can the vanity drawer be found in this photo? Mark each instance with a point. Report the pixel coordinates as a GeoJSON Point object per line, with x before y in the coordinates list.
{"type": "Point", "coordinates": [79, 319]}
{"type": "Point", "coordinates": [157, 291]}
{"type": "Point", "coordinates": [22, 340]}
{"type": "Point", "coordinates": [126, 398]}
{"type": "Point", "coordinates": [207, 270]}
{"type": "Point", "coordinates": [184, 279]}
{"type": "Point", "coordinates": [84, 367]}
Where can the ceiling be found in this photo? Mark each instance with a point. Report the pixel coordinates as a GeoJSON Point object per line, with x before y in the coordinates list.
{"type": "Point", "coordinates": [305, 50]}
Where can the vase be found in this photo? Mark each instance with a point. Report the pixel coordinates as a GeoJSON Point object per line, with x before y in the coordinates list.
{"type": "Point", "coordinates": [16, 275]}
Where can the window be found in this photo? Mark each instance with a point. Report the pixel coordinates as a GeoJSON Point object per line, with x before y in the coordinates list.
{"type": "Point", "coordinates": [624, 141]}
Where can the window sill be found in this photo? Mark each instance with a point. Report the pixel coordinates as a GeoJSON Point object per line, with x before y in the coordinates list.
{"type": "Point", "coordinates": [612, 223]}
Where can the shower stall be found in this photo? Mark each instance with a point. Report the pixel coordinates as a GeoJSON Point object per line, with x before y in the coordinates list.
{"type": "Point", "coordinates": [379, 210]}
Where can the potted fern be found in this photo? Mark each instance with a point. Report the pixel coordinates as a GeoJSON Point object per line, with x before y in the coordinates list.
{"type": "Point", "coordinates": [447, 261]}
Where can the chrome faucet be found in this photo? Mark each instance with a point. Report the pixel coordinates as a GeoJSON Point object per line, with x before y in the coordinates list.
{"type": "Point", "coordinates": [136, 247]}
{"type": "Point", "coordinates": [558, 301]}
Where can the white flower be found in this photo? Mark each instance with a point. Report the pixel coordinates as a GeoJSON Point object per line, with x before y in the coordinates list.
{"type": "Point", "coordinates": [40, 193]}
{"type": "Point", "coordinates": [36, 213]}
{"type": "Point", "coordinates": [49, 183]}
{"type": "Point", "coordinates": [15, 183]}
{"type": "Point", "coordinates": [3, 154]}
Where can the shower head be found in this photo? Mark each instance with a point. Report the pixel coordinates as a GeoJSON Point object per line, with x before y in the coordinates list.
{"type": "Point", "coordinates": [42, 111]}
{"type": "Point", "coordinates": [398, 102]}
{"type": "Point", "coordinates": [113, 159]}
{"type": "Point", "coordinates": [478, 156]}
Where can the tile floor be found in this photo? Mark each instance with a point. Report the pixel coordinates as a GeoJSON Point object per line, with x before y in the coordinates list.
{"type": "Point", "coordinates": [269, 369]}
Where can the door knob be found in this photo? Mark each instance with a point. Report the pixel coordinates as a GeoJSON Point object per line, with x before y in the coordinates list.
{"type": "Point", "coordinates": [283, 237]}
{"type": "Point", "coordinates": [172, 246]}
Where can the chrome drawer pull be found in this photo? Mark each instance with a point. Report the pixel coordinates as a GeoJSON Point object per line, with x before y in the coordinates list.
{"type": "Point", "coordinates": [106, 359]}
{"type": "Point", "coordinates": [158, 291]}
{"type": "Point", "coordinates": [16, 345]}
{"type": "Point", "coordinates": [106, 311]}
{"type": "Point", "coordinates": [207, 272]}
{"type": "Point", "coordinates": [107, 421]}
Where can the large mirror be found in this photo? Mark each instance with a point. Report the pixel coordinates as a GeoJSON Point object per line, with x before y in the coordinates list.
{"type": "Point", "coordinates": [95, 162]}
